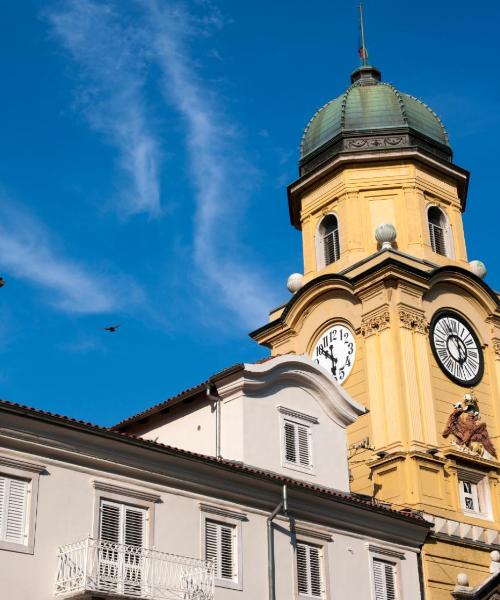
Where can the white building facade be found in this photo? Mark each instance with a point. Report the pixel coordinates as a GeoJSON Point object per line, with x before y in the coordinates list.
{"type": "Point", "coordinates": [237, 488]}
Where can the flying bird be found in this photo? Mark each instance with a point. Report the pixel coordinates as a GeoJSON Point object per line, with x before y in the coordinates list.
{"type": "Point", "coordinates": [112, 328]}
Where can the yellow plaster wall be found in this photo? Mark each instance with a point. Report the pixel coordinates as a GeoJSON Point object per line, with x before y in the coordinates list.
{"type": "Point", "coordinates": [443, 561]}
{"type": "Point", "coordinates": [364, 197]}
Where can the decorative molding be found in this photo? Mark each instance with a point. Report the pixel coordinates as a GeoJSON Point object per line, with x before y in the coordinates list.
{"type": "Point", "coordinates": [364, 143]}
{"type": "Point", "coordinates": [471, 535]}
{"type": "Point", "coordinates": [385, 551]}
{"type": "Point", "coordinates": [295, 414]}
{"type": "Point", "coordinates": [413, 320]}
{"type": "Point", "coordinates": [496, 348]}
{"type": "Point", "coordinates": [375, 323]}
{"type": "Point", "coordinates": [111, 488]}
{"type": "Point", "coordinates": [22, 465]}
{"type": "Point", "coordinates": [222, 511]}
{"type": "Point", "coordinates": [312, 533]}
{"type": "Point", "coordinates": [470, 475]}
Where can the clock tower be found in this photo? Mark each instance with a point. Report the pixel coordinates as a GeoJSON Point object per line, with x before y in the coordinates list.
{"type": "Point", "coordinates": [389, 304]}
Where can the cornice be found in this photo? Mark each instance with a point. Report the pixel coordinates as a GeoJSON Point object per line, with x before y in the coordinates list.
{"type": "Point", "coordinates": [22, 465]}
{"type": "Point", "coordinates": [311, 532]}
{"type": "Point", "coordinates": [347, 159]}
{"type": "Point", "coordinates": [461, 457]}
{"type": "Point", "coordinates": [223, 511]}
{"type": "Point", "coordinates": [111, 488]}
{"type": "Point", "coordinates": [390, 266]}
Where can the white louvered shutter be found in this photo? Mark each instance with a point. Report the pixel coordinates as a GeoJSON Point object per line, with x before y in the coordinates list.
{"type": "Point", "coordinates": [297, 443]}
{"type": "Point", "coordinates": [122, 524]}
{"type": "Point", "coordinates": [13, 509]}
{"type": "Point", "coordinates": [304, 451]}
{"type": "Point", "coordinates": [331, 246]}
{"type": "Point", "coordinates": [220, 548]}
{"type": "Point", "coordinates": [384, 576]}
{"type": "Point", "coordinates": [121, 566]}
{"type": "Point", "coordinates": [110, 525]}
{"type": "Point", "coordinates": [309, 570]}
{"type": "Point", "coordinates": [290, 442]}
{"type": "Point", "coordinates": [133, 534]}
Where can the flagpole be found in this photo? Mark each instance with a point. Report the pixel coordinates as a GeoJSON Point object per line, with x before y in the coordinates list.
{"type": "Point", "coordinates": [362, 33]}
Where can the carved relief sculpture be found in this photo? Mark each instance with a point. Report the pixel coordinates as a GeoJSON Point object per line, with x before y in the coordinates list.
{"type": "Point", "coordinates": [470, 434]}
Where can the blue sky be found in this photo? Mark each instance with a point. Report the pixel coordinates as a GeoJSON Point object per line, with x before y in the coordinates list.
{"type": "Point", "coordinates": [145, 148]}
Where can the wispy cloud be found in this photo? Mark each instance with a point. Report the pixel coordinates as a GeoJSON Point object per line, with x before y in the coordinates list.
{"type": "Point", "coordinates": [114, 56]}
{"type": "Point", "coordinates": [227, 271]}
{"type": "Point", "coordinates": [108, 49]}
{"type": "Point", "coordinates": [28, 252]}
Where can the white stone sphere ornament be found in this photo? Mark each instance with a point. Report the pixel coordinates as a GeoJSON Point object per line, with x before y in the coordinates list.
{"type": "Point", "coordinates": [478, 268]}
{"type": "Point", "coordinates": [295, 282]}
{"type": "Point", "coordinates": [463, 580]}
{"type": "Point", "coordinates": [385, 234]}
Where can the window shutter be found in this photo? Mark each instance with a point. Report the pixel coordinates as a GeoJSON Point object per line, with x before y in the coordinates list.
{"type": "Point", "coordinates": [438, 239]}
{"type": "Point", "coordinates": [134, 526]}
{"type": "Point", "coordinates": [384, 576]}
{"type": "Point", "coordinates": [303, 435]}
{"type": "Point", "coordinates": [290, 444]}
{"type": "Point", "coordinates": [297, 444]}
{"type": "Point", "coordinates": [309, 576]}
{"type": "Point", "coordinates": [110, 524]}
{"type": "Point", "coordinates": [219, 548]}
{"type": "Point", "coordinates": [122, 524]}
{"type": "Point", "coordinates": [13, 502]}
{"type": "Point", "coordinates": [332, 246]}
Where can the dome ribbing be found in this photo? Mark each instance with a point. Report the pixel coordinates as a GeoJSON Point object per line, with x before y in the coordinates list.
{"type": "Point", "coordinates": [371, 114]}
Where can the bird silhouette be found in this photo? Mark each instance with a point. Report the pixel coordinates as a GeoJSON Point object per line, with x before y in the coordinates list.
{"type": "Point", "coordinates": [112, 328]}
{"type": "Point", "coordinates": [2, 281]}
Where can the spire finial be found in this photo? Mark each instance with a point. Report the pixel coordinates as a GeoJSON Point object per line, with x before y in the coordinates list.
{"type": "Point", "coordinates": [363, 54]}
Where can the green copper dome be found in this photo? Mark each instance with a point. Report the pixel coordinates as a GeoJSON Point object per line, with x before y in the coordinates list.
{"type": "Point", "coordinates": [371, 115]}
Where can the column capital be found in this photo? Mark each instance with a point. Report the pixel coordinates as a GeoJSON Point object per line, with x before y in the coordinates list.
{"type": "Point", "coordinates": [375, 322]}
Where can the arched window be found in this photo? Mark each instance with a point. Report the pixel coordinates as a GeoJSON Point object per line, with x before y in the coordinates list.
{"type": "Point", "coordinates": [438, 231]}
{"type": "Point", "coordinates": [329, 240]}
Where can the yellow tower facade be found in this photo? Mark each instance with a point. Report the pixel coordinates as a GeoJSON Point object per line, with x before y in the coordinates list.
{"type": "Point", "coordinates": [390, 305]}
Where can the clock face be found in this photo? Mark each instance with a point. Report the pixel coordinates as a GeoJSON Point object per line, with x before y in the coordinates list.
{"type": "Point", "coordinates": [335, 351]}
{"type": "Point", "coordinates": [456, 348]}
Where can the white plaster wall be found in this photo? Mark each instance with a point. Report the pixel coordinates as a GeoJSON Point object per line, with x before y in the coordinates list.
{"type": "Point", "coordinates": [65, 515]}
{"type": "Point", "coordinates": [189, 426]}
{"type": "Point", "coordinates": [263, 437]}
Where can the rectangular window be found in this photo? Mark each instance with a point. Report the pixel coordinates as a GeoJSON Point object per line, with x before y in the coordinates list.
{"type": "Point", "coordinates": [384, 580]}
{"type": "Point", "coordinates": [309, 570]}
{"type": "Point", "coordinates": [474, 494]}
{"type": "Point", "coordinates": [13, 509]}
{"type": "Point", "coordinates": [297, 443]}
{"type": "Point", "coordinates": [220, 547]}
{"type": "Point", "coordinates": [121, 542]}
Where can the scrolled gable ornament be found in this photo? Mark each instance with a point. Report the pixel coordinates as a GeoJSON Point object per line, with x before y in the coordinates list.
{"type": "Point", "coordinates": [471, 435]}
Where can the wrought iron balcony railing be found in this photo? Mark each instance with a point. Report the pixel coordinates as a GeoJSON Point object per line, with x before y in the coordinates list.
{"type": "Point", "coordinates": [131, 571]}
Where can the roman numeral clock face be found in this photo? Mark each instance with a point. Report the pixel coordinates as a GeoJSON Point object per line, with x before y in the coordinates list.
{"type": "Point", "coordinates": [335, 351]}
{"type": "Point", "coordinates": [456, 348]}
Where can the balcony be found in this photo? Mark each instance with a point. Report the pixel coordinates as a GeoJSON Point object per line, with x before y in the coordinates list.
{"type": "Point", "coordinates": [95, 567]}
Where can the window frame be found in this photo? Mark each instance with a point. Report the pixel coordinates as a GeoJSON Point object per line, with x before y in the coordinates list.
{"type": "Point", "coordinates": [386, 555]}
{"type": "Point", "coordinates": [320, 242]}
{"type": "Point", "coordinates": [320, 539]}
{"type": "Point", "coordinates": [30, 472]}
{"type": "Point", "coordinates": [299, 420]}
{"type": "Point", "coordinates": [481, 492]}
{"type": "Point", "coordinates": [131, 497]}
{"type": "Point", "coordinates": [233, 519]}
{"type": "Point", "coordinates": [447, 232]}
